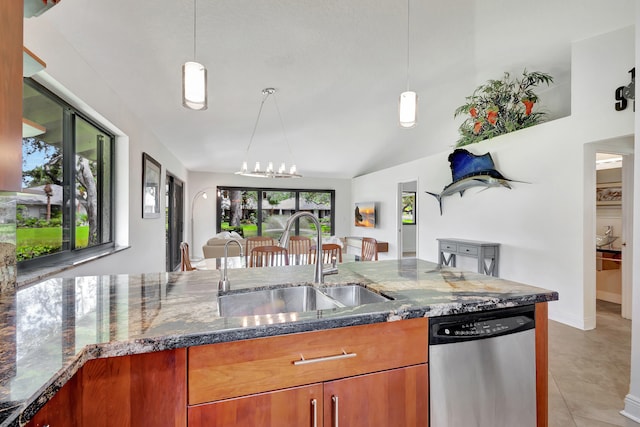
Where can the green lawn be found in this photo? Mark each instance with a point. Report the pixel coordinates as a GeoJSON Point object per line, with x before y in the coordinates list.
{"type": "Point", "coordinates": [51, 236]}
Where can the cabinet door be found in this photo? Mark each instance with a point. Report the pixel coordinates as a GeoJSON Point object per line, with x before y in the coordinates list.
{"type": "Point", "coordinates": [62, 410]}
{"type": "Point", "coordinates": [293, 407]}
{"type": "Point", "coordinates": [390, 398]}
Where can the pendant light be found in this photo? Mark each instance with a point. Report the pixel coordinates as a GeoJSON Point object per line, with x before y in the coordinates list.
{"type": "Point", "coordinates": [194, 77]}
{"type": "Point", "coordinates": [408, 103]}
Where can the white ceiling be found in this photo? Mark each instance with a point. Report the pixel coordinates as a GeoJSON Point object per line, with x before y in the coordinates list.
{"type": "Point", "coordinates": [338, 66]}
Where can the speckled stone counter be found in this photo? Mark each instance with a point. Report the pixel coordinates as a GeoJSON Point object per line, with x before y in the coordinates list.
{"type": "Point", "coordinates": [50, 329]}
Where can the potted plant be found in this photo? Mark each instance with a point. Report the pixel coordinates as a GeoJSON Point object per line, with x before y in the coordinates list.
{"type": "Point", "coordinates": [501, 106]}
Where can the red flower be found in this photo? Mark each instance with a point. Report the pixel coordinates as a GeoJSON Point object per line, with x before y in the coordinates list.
{"type": "Point", "coordinates": [474, 112]}
{"type": "Point", "coordinates": [492, 116]}
{"type": "Point", "coordinates": [477, 127]}
{"type": "Point", "coordinates": [528, 104]}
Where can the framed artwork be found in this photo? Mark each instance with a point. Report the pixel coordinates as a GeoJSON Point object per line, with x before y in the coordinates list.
{"type": "Point", "coordinates": [150, 187]}
{"type": "Point", "coordinates": [365, 214]}
{"type": "Point", "coordinates": [609, 194]}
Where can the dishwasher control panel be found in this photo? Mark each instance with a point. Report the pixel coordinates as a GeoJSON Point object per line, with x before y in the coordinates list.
{"type": "Point", "coordinates": [480, 325]}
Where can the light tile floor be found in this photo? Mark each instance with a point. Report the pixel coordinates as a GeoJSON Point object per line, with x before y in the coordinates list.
{"type": "Point", "coordinates": [589, 371]}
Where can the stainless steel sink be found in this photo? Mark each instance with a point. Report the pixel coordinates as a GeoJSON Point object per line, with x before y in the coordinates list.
{"type": "Point", "coordinates": [272, 301]}
{"type": "Point", "coordinates": [294, 299]}
{"type": "Point", "coordinates": [353, 295]}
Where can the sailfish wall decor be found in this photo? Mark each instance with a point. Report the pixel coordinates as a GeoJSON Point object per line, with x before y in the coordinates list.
{"type": "Point", "coordinates": [470, 170]}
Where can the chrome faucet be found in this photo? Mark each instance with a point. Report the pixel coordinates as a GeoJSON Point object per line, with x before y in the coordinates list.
{"type": "Point", "coordinates": [319, 271]}
{"type": "Point", "coordinates": [609, 231]}
{"type": "Point", "coordinates": [223, 284]}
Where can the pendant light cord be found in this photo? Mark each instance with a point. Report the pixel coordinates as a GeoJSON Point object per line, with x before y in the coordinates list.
{"type": "Point", "coordinates": [408, 37]}
{"type": "Point", "coordinates": [255, 125]}
{"type": "Point", "coordinates": [195, 6]}
{"type": "Point", "coordinates": [286, 140]}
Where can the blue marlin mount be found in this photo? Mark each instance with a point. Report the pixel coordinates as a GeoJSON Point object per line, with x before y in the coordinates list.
{"type": "Point", "coordinates": [470, 170]}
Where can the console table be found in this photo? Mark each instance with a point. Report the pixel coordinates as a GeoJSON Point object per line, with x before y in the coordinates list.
{"type": "Point", "coordinates": [488, 254]}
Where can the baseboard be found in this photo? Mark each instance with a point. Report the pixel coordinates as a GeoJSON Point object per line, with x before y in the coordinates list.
{"type": "Point", "coordinates": [631, 408]}
{"type": "Point", "coordinates": [609, 296]}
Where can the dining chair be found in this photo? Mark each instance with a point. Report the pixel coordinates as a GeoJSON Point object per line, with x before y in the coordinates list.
{"type": "Point", "coordinates": [268, 256]}
{"type": "Point", "coordinates": [254, 242]}
{"type": "Point", "coordinates": [185, 263]}
{"type": "Point", "coordinates": [369, 249]}
{"type": "Point", "coordinates": [299, 250]}
{"type": "Point", "coordinates": [331, 251]}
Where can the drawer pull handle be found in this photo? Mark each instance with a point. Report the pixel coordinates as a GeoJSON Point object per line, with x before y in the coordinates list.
{"type": "Point", "coordinates": [335, 410]}
{"type": "Point", "coordinates": [304, 361]}
{"type": "Point", "coordinates": [314, 408]}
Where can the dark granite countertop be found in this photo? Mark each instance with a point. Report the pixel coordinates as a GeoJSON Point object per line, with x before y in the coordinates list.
{"type": "Point", "coordinates": [50, 329]}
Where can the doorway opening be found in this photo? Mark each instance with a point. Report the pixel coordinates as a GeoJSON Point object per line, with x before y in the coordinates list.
{"type": "Point", "coordinates": [608, 226]}
{"type": "Point", "coordinates": [407, 220]}
{"type": "Point", "coordinates": [174, 221]}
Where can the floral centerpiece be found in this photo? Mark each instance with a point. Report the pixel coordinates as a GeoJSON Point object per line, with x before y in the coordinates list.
{"type": "Point", "coordinates": [501, 106]}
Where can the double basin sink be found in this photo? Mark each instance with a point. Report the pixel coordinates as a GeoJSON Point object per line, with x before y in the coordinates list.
{"type": "Point", "coordinates": [295, 299]}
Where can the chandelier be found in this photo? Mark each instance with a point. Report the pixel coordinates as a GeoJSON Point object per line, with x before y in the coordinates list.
{"type": "Point", "coordinates": [269, 172]}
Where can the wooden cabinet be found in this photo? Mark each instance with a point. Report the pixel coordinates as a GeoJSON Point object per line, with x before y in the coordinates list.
{"type": "Point", "coordinates": [143, 389]}
{"type": "Point", "coordinates": [398, 397]}
{"type": "Point", "coordinates": [372, 375]}
{"type": "Point", "coordinates": [298, 406]}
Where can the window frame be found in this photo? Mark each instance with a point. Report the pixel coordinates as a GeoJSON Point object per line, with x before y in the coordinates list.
{"type": "Point", "coordinates": [414, 206]}
{"type": "Point", "coordinates": [259, 214]}
{"type": "Point", "coordinates": [68, 251]}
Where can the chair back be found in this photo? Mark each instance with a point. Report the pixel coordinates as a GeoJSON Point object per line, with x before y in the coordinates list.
{"type": "Point", "coordinates": [299, 250]}
{"type": "Point", "coordinates": [254, 242]}
{"type": "Point", "coordinates": [185, 263]}
{"type": "Point", "coordinates": [331, 251]}
{"type": "Point", "coordinates": [268, 256]}
{"type": "Point", "coordinates": [369, 249]}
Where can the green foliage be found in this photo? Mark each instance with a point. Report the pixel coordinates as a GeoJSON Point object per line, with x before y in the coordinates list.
{"type": "Point", "coordinates": [33, 251]}
{"type": "Point", "coordinates": [501, 106]}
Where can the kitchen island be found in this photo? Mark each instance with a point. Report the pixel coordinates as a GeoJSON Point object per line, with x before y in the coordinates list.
{"type": "Point", "coordinates": [53, 330]}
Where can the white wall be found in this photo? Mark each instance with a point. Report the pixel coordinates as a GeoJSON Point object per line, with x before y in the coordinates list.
{"type": "Point", "coordinates": [539, 222]}
{"type": "Point", "coordinates": [73, 78]}
{"type": "Point", "coordinates": [204, 218]}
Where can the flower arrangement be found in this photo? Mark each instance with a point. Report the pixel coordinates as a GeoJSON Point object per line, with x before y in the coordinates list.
{"type": "Point", "coordinates": [501, 106]}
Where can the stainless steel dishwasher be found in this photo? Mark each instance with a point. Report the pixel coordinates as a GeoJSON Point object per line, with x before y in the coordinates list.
{"type": "Point", "coordinates": [482, 370]}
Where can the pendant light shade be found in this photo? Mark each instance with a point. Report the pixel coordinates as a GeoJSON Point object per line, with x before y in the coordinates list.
{"type": "Point", "coordinates": [408, 103]}
{"type": "Point", "coordinates": [194, 86]}
{"type": "Point", "coordinates": [408, 109]}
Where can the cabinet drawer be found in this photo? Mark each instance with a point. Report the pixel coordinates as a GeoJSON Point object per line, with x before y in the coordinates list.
{"type": "Point", "coordinates": [221, 371]}
{"type": "Point", "coordinates": [448, 247]}
{"type": "Point", "coordinates": [469, 250]}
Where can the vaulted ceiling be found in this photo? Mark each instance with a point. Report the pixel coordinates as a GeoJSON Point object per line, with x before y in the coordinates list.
{"type": "Point", "coordinates": [338, 67]}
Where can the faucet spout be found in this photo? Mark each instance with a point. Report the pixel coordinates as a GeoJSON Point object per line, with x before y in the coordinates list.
{"type": "Point", "coordinates": [223, 284]}
{"type": "Point", "coordinates": [318, 275]}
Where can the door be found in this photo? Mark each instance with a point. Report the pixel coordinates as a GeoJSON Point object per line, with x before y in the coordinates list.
{"type": "Point", "coordinates": [174, 220]}
{"type": "Point", "coordinates": [293, 407]}
{"type": "Point", "coordinates": [398, 397]}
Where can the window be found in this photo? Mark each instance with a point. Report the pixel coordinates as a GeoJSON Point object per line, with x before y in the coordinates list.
{"type": "Point", "coordinates": [264, 212]}
{"type": "Point", "coordinates": [408, 207]}
{"type": "Point", "coordinates": [66, 203]}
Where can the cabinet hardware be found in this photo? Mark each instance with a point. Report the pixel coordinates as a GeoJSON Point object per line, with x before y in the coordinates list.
{"type": "Point", "coordinates": [335, 410]}
{"type": "Point", "coordinates": [304, 361]}
{"type": "Point", "coordinates": [314, 408]}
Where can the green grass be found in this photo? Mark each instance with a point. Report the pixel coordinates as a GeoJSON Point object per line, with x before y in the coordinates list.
{"type": "Point", "coordinates": [51, 236]}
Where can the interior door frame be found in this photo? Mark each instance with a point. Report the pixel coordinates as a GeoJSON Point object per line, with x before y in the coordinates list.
{"type": "Point", "coordinates": [625, 147]}
{"type": "Point", "coordinates": [174, 220]}
{"type": "Point", "coordinates": [399, 226]}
